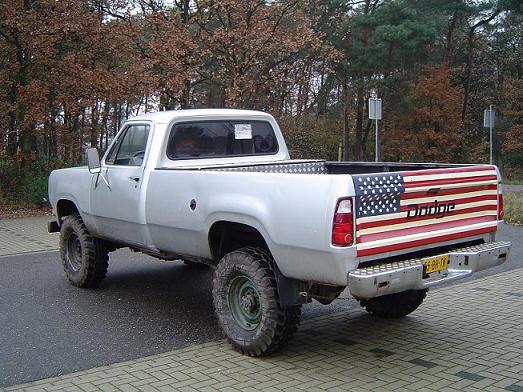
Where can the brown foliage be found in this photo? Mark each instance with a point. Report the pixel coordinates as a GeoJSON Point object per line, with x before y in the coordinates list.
{"type": "Point", "coordinates": [431, 129]}
{"type": "Point", "coordinates": [71, 71]}
{"type": "Point", "coordinates": [513, 138]}
{"type": "Point", "coordinates": [254, 45]}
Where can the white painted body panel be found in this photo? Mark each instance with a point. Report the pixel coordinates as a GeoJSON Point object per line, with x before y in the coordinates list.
{"type": "Point", "coordinates": [293, 212]}
{"type": "Point", "coordinates": [72, 184]}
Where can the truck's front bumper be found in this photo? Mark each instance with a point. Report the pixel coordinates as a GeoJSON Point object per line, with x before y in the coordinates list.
{"type": "Point", "coordinates": [52, 225]}
{"type": "Point", "coordinates": [389, 278]}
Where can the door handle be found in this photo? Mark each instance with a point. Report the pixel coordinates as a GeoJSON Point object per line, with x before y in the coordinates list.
{"type": "Point", "coordinates": [135, 179]}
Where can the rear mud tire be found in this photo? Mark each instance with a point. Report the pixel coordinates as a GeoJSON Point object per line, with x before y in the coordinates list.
{"type": "Point", "coordinates": [394, 306]}
{"type": "Point", "coordinates": [83, 257]}
{"type": "Point", "coordinates": [247, 303]}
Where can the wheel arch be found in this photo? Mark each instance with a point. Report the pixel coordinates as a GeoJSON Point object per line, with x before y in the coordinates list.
{"type": "Point", "coordinates": [225, 236]}
{"type": "Point", "coordinates": [65, 207]}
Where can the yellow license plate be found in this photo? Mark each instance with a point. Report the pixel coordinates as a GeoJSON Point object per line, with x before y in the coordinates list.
{"type": "Point", "coordinates": [436, 264]}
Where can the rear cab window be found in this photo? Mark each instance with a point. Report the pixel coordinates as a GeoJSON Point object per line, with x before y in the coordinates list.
{"type": "Point", "coordinates": [221, 138]}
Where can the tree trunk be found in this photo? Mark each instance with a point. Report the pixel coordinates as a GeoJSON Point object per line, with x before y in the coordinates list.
{"type": "Point", "coordinates": [346, 135]}
{"type": "Point", "coordinates": [360, 102]}
{"type": "Point", "coordinates": [470, 59]}
{"type": "Point", "coordinates": [360, 95]}
{"type": "Point", "coordinates": [94, 125]}
{"type": "Point", "coordinates": [105, 131]}
{"type": "Point", "coordinates": [185, 95]}
{"type": "Point", "coordinates": [450, 35]}
{"type": "Point", "coordinates": [468, 73]}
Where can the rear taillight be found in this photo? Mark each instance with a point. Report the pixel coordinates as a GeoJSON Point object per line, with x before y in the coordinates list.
{"type": "Point", "coordinates": [501, 211]}
{"type": "Point", "coordinates": [343, 224]}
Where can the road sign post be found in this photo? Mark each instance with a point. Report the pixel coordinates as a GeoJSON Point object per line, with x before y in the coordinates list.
{"type": "Point", "coordinates": [489, 116]}
{"type": "Point", "coordinates": [375, 114]}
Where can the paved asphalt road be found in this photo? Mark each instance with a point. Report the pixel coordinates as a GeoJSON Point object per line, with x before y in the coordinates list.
{"type": "Point", "coordinates": [143, 307]}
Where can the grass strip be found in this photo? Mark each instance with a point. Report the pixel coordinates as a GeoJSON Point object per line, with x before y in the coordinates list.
{"type": "Point", "coordinates": [513, 203]}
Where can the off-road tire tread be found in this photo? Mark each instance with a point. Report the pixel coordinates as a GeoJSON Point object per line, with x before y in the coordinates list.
{"type": "Point", "coordinates": [394, 306]}
{"type": "Point", "coordinates": [94, 253]}
{"type": "Point", "coordinates": [280, 323]}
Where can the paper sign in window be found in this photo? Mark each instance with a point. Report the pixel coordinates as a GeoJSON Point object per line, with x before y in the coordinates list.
{"type": "Point", "coordinates": [242, 131]}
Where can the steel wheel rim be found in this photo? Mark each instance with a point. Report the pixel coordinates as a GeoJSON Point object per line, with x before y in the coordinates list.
{"type": "Point", "coordinates": [244, 303]}
{"type": "Point", "coordinates": [73, 252]}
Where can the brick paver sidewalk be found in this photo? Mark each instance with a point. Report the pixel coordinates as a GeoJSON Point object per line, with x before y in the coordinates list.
{"type": "Point", "coordinates": [25, 235]}
{"type": "Point", "coordinates": [465, 337]}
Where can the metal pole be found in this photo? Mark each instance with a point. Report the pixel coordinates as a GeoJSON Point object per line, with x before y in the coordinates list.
{"type": "Point", "coordinates": [490, 127]}
{"type": "Point", "coordinates": [377, 147]}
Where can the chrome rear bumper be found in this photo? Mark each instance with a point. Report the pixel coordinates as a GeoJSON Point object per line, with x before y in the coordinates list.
{"type": "Point", "coordinates": [382, 279]}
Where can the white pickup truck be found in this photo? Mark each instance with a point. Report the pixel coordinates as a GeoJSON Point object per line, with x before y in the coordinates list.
{"type": "Point", "coordinates": [218, 187]}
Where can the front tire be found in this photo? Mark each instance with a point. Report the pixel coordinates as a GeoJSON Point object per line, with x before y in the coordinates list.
{"type": "Point", "coordinates": [84, 258]}
{"type": "Point", "coordinates": [394, 306]}
{"type": "Point", "coordinates": [247, 304]}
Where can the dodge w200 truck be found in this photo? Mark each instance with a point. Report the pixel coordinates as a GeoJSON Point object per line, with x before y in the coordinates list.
{"type": "Point", "coordinates": [218, 187]}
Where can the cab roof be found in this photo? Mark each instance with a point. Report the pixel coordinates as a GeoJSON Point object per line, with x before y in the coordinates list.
{"type": "Point", "coordinates": [169, 115]}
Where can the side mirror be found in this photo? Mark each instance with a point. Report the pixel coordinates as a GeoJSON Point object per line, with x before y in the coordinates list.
{"type": "Point", "coordinates": [93, 161]}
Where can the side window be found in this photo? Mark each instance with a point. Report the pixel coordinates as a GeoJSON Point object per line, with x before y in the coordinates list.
{"type": "Point", "coordinates": [129, 149]}
{"type": "Point", "coordinates": [114, 149]}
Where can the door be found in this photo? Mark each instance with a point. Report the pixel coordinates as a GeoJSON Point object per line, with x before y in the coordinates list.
{"type": "Point", "coordinates": [117, 202]}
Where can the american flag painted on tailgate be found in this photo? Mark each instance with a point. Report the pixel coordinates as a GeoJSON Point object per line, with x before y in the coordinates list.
{"type": "Point", "coordinates": [402, 210]}
{"type": "Point", "coordinates": [378, 194]}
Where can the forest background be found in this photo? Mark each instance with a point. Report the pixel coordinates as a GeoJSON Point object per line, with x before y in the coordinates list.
{"type": "Point", "coordinates": [72, 71]}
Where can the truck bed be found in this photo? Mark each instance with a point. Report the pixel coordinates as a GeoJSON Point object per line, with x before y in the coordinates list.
{"type": "Point", "coordinates": [402, 207]}
{"type": "Point", "coordinates": [319, 167]}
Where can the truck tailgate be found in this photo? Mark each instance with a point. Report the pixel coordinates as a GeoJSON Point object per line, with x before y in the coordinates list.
{"type": "Point", "coordinates": [403, 210]}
